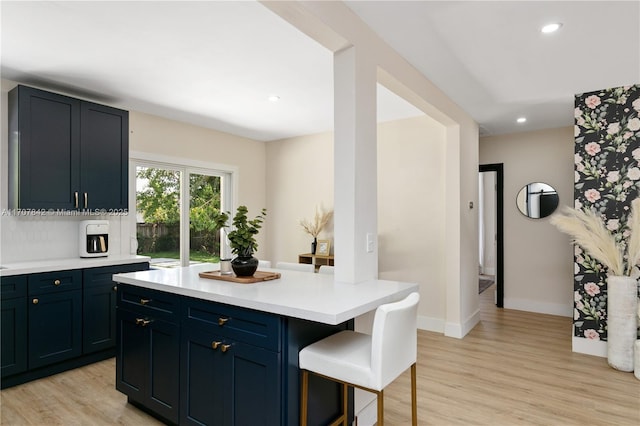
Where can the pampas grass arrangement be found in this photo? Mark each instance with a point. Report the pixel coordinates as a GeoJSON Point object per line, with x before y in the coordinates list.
{"type": "Point", "coordinates": [316, 226]}
{"type": "Point", "coordinates": [587, 229]}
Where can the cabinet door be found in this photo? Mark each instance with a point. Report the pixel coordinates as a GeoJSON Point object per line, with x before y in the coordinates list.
{"type": "Point", "coordinates": [99, 318]}
{"type": "Point", "coordinates": [14, 336]}
{"type": "Point", "coordinates": [133, 355]}
{"type": "Point", "coordinates": [44, 148]}
{"type": "Point", "coordinates": [54, 327]}
{"type": "Point", "coordinates": [255, 383]}
{"type": "Point", "coordinates": [99, 305]}
{"type": "Point", "coordinates": [204, 379]}
{"type": "Point", "coordinates": [164, 370]}
{"type": "Point", "coordinates": [104, 157]}
{"type": "Point", "coordinates": [13, 323]}
{"type": "Point", "coordinates": [147, 363]}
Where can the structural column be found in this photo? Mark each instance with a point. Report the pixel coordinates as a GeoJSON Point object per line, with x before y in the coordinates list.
{"type": "Point", "coordinates": [355, 166]}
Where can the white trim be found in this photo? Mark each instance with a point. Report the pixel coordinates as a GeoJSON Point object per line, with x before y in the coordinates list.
{"type": "Point", "coordinates": [182, 161]}
{"type": "Point", "coordinates": [430, 324]}
{"type": "Point", "coordinates": [589, 347]}
{"type": "Point", "coordinates": [229, 176]}
{"type": "Point", "coordinates": [561, 309]}
{"type": "Point", "coordinates": [460, 330]}
{"type": "Point", "coordinates": [488, 271]}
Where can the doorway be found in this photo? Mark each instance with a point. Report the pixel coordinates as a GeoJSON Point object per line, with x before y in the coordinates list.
{"type": "Point", "coordinates": [498, 170]}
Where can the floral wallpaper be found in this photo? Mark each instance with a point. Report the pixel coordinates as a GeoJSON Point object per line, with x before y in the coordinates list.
{"type": "Point", "coordinates": [607, 179]}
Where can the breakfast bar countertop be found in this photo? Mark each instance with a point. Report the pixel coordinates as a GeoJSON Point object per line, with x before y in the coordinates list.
{"type": "Point", "coordinates": [304, 295]}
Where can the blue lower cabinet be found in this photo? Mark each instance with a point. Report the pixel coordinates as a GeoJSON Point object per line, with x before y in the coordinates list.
{"type": "Point", "coordinates": [14, 325]}
{"type": "Point", "coordinates": [55, 321]}
{"type": "Point", "coordinates": [224, 382]}
{"type": "Point", "coordinates": [196, 362]}
{"type": "Point", "coordinates": [55, 317]}
{"type": "Point", "coordinates": [256, 383]}
{"type": "Point", "coordinates": [99, 306]}
{"type": "Point", "coordinates": [147, 360]}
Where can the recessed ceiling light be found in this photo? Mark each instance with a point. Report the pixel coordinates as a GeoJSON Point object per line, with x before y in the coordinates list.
{"type": "Point", "coordinates": [551, 28]}
{"type": "Point", "coordinates": [521, 120]}
{"type": "Point", "coordinates": [274, 98]}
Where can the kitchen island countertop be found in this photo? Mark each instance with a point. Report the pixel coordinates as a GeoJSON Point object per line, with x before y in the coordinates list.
{"type": "Point", "coordinates": [304, 295]}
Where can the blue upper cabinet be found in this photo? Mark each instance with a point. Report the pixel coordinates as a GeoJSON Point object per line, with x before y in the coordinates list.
{"type": "Point", "coordinates": [65, 153]}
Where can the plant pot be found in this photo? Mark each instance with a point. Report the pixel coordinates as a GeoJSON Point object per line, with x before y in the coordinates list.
{"type": "Point", "coordinates": [314, 244]}
{"type": "Point", "coordinates": [244, 266]}
{"type": "Point", "coordinates": [622, 321]}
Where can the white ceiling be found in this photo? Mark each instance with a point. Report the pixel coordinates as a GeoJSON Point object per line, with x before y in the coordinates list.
{"type": "Point", "coordinates": [215, 63]}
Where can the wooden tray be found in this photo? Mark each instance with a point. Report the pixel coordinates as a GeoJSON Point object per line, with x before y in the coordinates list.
{"type": "Point", "coordinates": [258, 276]}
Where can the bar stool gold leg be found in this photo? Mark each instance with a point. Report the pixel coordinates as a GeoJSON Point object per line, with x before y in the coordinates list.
{"type": "Point", "coordinates": [414, 397]}
{"type": "Point", "coordinates": [303, 399]}
{"type": "Point", "coordinates": [380, 408]}
{"type": "Point", "coordinates": [345, 401]}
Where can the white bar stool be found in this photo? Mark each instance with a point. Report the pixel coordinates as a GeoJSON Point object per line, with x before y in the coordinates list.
{"type": "Point", "coordinates": [367, 362]}
{"type": "Point", "coordinates": [326, 269]}
{"type": "Point", "coordinates": [304, 267]}
{"type": "Point", "coordinates": [264, 264]}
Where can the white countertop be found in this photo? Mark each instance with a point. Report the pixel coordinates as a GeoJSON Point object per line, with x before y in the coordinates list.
{"type": "Point", "coordinates": [305, 295]}
{"type": "Point", "coordinates": [52, 265]}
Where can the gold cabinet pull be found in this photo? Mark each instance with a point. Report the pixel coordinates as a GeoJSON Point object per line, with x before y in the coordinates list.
{"type": "Point", "coordinates": [115, 288]}
{"type": "Point", "coordinates": [144, 301]}
{"type": "Point", "coordinates": [86, 200]}
{"type": "Point", "coordinates": [56, 282]}
{"type": "Point", "coordinates": [225, 348]}
{"type": "Point", "coordinates": [222, 321]}
{"type": "Point", "coordinates": [143, 322]}
{"type": "Point", "coordinates": [215, 345]}
{"type": "Point", "coordinates": [75, 196]}
{"type": "Point", "coordinates": [35, 301]}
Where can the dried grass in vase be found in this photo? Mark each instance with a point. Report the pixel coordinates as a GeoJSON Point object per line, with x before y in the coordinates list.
{"type": "Point", "coordinates": [316, 226]}
{"type": "Point", "coordinates": [587, 229]}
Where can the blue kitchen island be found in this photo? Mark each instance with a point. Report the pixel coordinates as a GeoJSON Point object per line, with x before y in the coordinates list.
{"type": "Point", "coordinates": [193, 350]}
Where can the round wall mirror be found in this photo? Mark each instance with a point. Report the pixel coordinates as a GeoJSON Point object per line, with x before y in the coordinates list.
{"type": "Point", "coordinates": [537, 200]}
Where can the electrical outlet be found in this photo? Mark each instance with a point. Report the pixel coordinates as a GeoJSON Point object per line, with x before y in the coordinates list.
{"type": "Point", "coordinates": [370, 242]}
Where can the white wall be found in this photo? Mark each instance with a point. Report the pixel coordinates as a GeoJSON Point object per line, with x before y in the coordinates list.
{"type": "Point", "coordinates": [538, 259]}
{"type": "Point", "coordinates": [410, 203]}
{"type": "Point", "coordinates": [299, 178]}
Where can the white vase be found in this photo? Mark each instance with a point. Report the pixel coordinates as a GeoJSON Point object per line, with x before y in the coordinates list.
{"type": "Point", "coordinates": [636, 368]}
{"type": "Point", "coordinates": [622, 321]}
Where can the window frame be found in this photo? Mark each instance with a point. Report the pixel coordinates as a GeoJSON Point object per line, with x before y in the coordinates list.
{"type": "Point", "coordinates": [186, 167]}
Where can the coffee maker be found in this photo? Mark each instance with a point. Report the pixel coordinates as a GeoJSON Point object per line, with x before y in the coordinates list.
{"type": "Point", "coordinates": [94, 238]}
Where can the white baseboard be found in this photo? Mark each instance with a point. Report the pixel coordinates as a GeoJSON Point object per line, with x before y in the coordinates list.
{"type": "Point", "coordinates": [461, 330]}
{"type": "Point", "coordinates": [589, 347]}
{"type": "Point", "coordinates": [449, 329]}
{"type": "Point", "coordinates": [488, 271]}
{"type": "Point", "coordinates": [561, 309]}
{"type": "Point", "coordinates": [430, 324]}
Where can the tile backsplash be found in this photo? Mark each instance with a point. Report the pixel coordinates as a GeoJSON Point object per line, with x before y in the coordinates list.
{"type": "Point", "coordinates": [29, 238]}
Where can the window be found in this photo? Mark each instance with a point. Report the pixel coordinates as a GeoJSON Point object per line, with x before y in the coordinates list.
{"type": "Point", "coordinates": [175, 236]}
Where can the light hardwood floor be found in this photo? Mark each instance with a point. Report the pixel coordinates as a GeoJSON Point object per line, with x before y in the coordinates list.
{"type": "Point", "coordinates": [514, 368]}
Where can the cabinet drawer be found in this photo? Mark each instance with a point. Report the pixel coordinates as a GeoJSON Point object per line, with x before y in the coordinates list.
{"type": "Point", "coordinates": [50, 282]}
{"type": "Point", "coordinates": [147, 301]}
{"type": "Point", "coordinates": [243, 325]}
{"type": "Point", "coordinates": [96, 277]}
{"type": "Point", "coordinates": [14, 286]}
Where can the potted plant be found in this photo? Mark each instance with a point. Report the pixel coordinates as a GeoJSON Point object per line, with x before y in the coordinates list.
{"type": "Point", "coordinates": [243, 243]}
